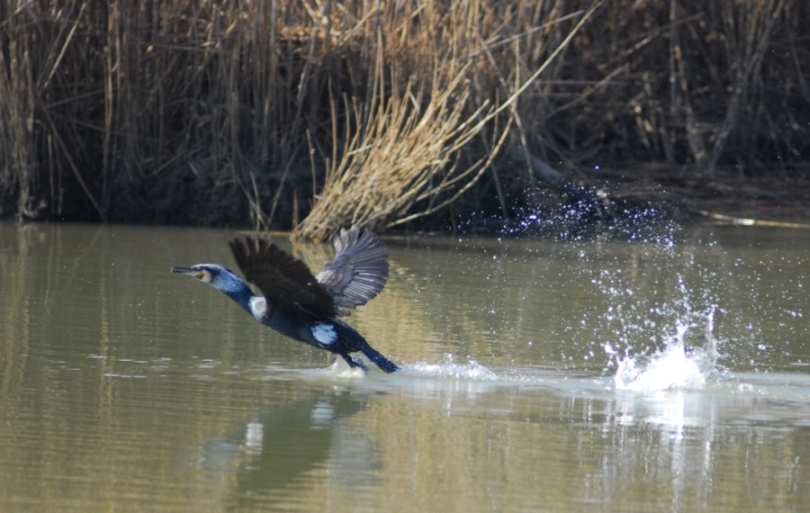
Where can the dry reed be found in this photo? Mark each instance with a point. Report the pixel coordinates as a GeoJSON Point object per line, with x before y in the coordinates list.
{"type": "Point", "coordinates": [272, 111]}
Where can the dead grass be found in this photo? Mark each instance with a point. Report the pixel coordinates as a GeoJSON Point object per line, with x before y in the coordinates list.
{"type": "Point", "coordinates": [275, 112]}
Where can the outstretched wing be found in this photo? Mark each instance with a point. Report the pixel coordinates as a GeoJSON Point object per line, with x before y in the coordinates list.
{"type": "Point", "coordinates": [358, 272]}
{"type": "Point", "coordinates": [285, 282]}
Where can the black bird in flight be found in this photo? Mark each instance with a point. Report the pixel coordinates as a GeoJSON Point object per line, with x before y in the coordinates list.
{"type": "Point", "coordinates": [302, 306]}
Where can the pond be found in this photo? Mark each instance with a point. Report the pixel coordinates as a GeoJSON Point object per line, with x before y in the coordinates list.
{"type": "Point", "coordinates": [536, 376]}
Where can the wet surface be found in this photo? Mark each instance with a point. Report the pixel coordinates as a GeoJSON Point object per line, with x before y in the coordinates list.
{"type": "Point", "coordinates": [536, 377]}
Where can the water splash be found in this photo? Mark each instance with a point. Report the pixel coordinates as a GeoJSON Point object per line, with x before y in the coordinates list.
{"type": "Point", "coordinates": [669, 368]}
{"type": "Point", "coordinates": [687, 359]}
{"type": "Point", "coordinates": [340, 370]}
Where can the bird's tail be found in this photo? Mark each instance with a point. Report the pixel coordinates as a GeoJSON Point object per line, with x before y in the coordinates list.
{"type": "Point", "coordinates": [380, 360]}
{"type": "Point", "coordinates": [353, 342]}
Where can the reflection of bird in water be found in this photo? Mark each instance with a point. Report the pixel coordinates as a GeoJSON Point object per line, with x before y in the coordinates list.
{"type": "Point", "coordinates": [302, 306]}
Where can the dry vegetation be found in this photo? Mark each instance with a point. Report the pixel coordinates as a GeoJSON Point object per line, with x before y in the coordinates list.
{"type": "Point", "coordinates": [316, 114]}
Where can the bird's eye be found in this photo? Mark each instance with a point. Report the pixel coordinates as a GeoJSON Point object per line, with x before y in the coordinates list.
{"type": "Point", "coordinates": [204, 276]}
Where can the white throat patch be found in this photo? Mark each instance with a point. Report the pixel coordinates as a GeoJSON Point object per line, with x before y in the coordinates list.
{"type": "Point", "coordinates": [324, 333]}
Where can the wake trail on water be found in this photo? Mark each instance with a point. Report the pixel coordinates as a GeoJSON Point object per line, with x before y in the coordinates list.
{"type": "Point", "coordinates": [659, 346]}
{"type": "Point", "coordinates": [448, 368]}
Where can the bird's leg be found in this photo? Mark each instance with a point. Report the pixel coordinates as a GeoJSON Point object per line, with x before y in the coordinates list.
{"type": "Point", "coordinates": [352, 363]}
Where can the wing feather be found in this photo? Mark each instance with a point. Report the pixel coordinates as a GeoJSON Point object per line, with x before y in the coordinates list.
{"type": "Point", "coordinates": [286, 282]}
{"type": "Point", "coordinates": [359, 271]}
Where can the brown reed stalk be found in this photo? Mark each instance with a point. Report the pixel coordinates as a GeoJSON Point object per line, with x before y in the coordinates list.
{"type": "Point", "coordinates": [218, 112]}
{"type": "Point", "coordinates": [405, 150]}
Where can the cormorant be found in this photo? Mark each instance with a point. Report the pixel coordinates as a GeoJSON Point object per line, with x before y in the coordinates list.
{"type": "Point", "coordinates": [302, 306]}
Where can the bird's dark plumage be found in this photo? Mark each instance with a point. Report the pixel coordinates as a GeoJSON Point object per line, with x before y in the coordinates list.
{"type": "Point", "coordinates": [300, 305]}
{"type": "Point", "coordinates": [359, 271]}
{"type": "Point", "coordinates": [285, 281]}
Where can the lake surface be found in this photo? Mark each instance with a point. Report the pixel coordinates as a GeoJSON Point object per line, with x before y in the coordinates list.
{"type": "Point", "coordinates": [537, 376]}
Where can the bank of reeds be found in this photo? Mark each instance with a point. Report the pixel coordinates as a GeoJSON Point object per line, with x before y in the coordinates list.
{"type": "Point", "coordinates": [315, 114]}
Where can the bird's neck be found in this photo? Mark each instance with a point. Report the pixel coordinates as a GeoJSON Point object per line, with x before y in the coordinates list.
{"type": "Point", "coordinates": [241, 294]}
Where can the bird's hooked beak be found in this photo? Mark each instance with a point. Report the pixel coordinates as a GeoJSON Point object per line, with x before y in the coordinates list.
{"type": "Point", "coordinates": [188, 271]}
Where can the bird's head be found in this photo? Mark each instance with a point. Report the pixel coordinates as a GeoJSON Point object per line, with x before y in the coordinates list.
{"type": "Point", "coordinates": [221, 278]}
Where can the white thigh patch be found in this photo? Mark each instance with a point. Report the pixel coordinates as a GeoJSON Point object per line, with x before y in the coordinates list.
{"type": "Point", "coordinates": [324, 333]}
{"type": "Point", "coordinates": [258, 307]}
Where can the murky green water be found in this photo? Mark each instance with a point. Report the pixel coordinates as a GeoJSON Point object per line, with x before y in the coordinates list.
{"type": "Point", "coordinates": [126, 388]}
